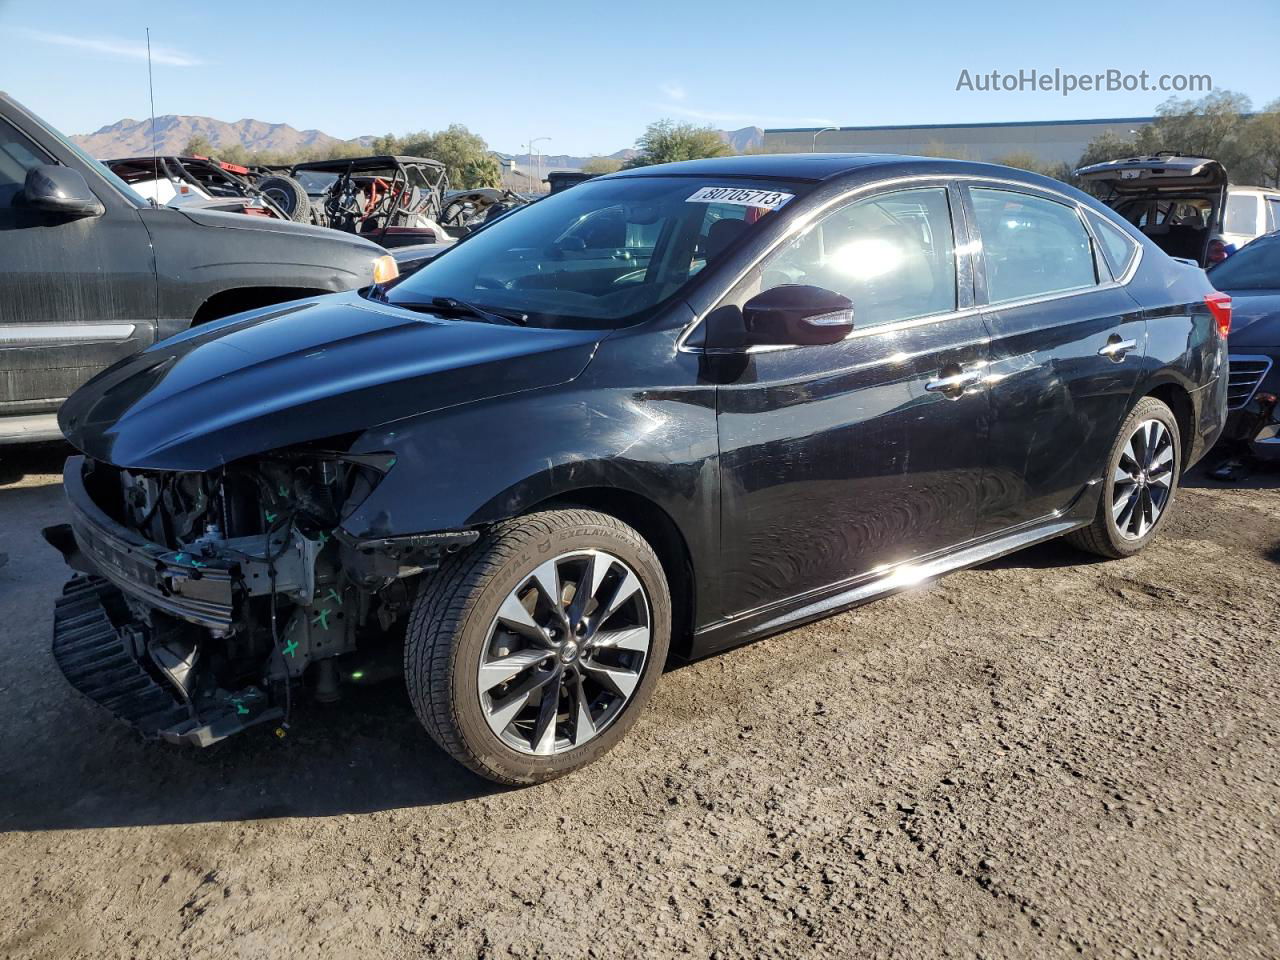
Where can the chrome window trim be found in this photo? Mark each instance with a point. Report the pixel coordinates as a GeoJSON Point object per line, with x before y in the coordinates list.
{"type": "Point", "coordinates": [924, 180]}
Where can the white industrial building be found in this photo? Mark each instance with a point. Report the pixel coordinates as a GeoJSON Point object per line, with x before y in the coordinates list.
{"type": "Point", "coordinates": [1050, 141]}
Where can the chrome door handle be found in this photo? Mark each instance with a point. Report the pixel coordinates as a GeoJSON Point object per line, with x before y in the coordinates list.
{"type": "Point", "coordinates": [955, 383]}
{"type": "Point", "coordinates": [1117, 348]}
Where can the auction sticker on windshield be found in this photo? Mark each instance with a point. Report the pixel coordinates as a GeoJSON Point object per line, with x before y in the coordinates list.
{"type": "Point", "coordinates": [743, 196]}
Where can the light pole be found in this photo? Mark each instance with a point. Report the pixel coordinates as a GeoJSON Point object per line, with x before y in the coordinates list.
{"type": "Point", "coordinates": [814, 148]}
{"type": "Point", "coordinates": [531, 143]}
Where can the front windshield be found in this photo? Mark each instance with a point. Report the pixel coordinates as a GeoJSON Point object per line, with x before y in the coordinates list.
{"type": "Point", "coordinates": [315, 182]}
{"type": "Point", "coordinates": [602, 255]}
{"type": "Point", "coordinates": [1253, 267]}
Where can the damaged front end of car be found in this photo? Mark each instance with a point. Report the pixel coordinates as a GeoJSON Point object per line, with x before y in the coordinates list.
{"type": "Point", "coordinates": [205, 597]}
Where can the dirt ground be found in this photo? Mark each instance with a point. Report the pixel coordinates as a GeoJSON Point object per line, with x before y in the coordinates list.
{"type": "Point", "coordinates": [1045, 756]}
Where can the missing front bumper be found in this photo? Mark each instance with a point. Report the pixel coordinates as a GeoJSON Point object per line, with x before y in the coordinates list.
{"type": "Point", "coordinates": [102, 651]}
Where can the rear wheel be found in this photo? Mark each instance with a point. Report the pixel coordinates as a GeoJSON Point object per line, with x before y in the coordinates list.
{"type": "Point", "coordinates": [533, 653]}
{"type": "Point", "coordinates": [1140, 483]}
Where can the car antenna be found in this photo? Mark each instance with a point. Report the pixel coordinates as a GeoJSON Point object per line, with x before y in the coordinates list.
{"type": "Point", "coordinates": [155, 159]}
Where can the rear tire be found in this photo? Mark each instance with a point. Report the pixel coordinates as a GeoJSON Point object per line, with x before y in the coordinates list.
{"type": "Point", "coordinates": [1139, 485]}
{"type": "Point", "coordinates": [584, 666]}
{"type": "Point", "coordinates": [289, 195]}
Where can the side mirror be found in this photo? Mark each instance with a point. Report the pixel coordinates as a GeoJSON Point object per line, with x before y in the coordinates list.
{"type": "Point", "coordinates": [58, 189]}
{"type": "Point", "coordinates": [797, 314]}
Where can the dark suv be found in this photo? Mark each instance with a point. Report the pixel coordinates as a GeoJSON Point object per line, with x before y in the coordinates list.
{"type": "Point", "coordinates": [90, 272]}
{"type": "Point", "coordinates": [667, 411]}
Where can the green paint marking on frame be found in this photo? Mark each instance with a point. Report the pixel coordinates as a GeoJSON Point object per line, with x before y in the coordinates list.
{"type": "Point", "coordinates": [333, 595]}
{"type": "Point", "coordinates": [291, 648]}
{"type": "Point", "coordinates": [271, 517]}
{"type": "Point", "coordinates": [321, 620]}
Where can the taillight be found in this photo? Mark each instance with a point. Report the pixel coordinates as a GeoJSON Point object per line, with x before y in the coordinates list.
{"type": "Point", "coordinates": [1220, 306]}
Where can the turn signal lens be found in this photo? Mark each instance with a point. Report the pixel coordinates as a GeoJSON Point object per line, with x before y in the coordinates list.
{"type": "Point", "coordinates": [1220, 307]}
{"type": "Point", "coordinates": [385, 269]}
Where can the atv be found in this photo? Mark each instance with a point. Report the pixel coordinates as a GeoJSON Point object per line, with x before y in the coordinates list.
{"type": "Point", "coordinates": [393, 201]}
{"type": "Point", "coordinates": [196, 181]}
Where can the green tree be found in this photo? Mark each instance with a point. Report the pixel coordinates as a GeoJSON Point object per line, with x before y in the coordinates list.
{"type": "Point", "coordinates": [1261, 139]}
{"type": "Point", "coordinates": [1208, 127]}
{"type": "Point", "coordinates": [1217, 126]}
{"type": "Point", "coordinates": [1108, 146]}
{"type": "Point", "coordinates": [666, 141]}
{"type": "Point", "coordinates": [198, 146]}
{"type": "Point", "coordinates": [464, 153]}
{"type": "Point", "coordinates": [387, 144]}
{"type": "Point", "coordinates": [601, 165]}
{"type": "Point", "coordinates": [238, 153]}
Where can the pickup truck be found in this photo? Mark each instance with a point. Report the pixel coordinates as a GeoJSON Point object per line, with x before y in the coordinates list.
{"type": "Point", "coordinates": [90, 272]}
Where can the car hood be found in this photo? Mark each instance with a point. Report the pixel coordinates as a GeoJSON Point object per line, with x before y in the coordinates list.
{"type": "Point", "coordinates": [238, 221]}
{"type": "Point", "coordinates": [1255, 318]}
{"type": "Point", "coordinates": [309, 370]}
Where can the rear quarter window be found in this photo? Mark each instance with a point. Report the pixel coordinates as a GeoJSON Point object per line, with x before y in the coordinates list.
{"type": "Point", "coordinates": [1119, 250]}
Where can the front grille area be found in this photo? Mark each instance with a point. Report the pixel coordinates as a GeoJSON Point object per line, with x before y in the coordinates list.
{"type": "Point", "coordinates": [1245, 373]}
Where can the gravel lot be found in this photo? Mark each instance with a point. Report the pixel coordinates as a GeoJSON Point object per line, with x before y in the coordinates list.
{"type": "Point", "coordinates": [1044, 756]}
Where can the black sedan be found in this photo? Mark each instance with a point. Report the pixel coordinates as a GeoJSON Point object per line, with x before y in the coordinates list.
{"type": "Point", "coordinates": [662, 413]}
{"type": "Point", "coordinates": [1252, 278]}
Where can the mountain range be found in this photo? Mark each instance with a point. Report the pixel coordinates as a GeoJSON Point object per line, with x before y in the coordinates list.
{"type": "Point", "coordinates": [127, 138]}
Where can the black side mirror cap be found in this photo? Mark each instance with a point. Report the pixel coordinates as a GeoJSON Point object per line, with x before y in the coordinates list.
{"type": "Point", "coordinates": [797, 314]}
{"type": "Point", "coordinates": [58, 189]}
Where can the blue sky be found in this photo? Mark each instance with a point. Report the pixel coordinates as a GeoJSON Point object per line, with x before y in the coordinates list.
{"type": "Point", "coordinates": [590, 76]}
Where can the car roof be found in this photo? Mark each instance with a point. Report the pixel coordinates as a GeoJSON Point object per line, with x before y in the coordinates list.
{"type": "Point", "coordinates": [367, 163]}
{"type": "Point", "coordinates": [786, 166]}
{"type": "Point", "coordinates": [185, 158]}
{"type": "Point", "coordinates": [816, 167]}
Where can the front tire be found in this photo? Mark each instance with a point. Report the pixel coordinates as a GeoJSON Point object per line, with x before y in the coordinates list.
{"type": "Point", "coordinates": [1140, 483]}
{"type": "Point", "coordinates": [532, 654]}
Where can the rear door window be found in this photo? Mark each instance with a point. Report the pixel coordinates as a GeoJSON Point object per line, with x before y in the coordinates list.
{"type": "Point", "coordinates": [1242, 214]}
{"type": "Point", "coordinates": [1031, 246]}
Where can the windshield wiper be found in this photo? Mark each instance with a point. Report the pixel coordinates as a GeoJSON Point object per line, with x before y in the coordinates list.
{"type": "Point", "coordinates": [454, 305]}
